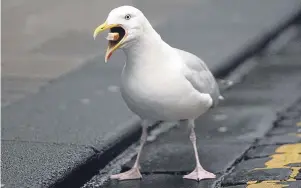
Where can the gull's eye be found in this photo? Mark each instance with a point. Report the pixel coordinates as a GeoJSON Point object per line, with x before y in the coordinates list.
{"type": "Point", "coordinates": [127, 17]}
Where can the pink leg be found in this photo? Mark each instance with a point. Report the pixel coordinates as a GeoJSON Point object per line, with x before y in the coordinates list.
{"type": "Point", "coordinates": [134, 173]}
{"type": "Point", "coordinates": [199, 172]}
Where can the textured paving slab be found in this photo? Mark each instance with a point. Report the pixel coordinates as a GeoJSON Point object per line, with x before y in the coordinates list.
{"type": "Point", "coordinates": [274, 183]}
{"type": "Point", "coordinates": [27, 164]}
{"type": "Point", "coordinates": [244, 176]}
{"type": "Point", "coordinates": [261, 151]}
{"type": "Point", "coordinates": [274, 161]}
{"type": "Point", "coordinates": [295, 184]}
{"type": "Point", "coordinates": [246, 171]}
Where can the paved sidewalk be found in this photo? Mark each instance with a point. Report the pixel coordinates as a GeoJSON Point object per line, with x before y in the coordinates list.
{"type": "Point", "coordinates": [274, 161]}
{"type": "Point", "coordinates": [229, 131]}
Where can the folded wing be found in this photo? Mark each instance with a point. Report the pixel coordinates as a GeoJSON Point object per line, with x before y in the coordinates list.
{"type": "Point", "coordinates": [200, 77]}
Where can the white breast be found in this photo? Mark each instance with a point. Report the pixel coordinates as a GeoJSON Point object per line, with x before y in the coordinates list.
{"type": "Point", "coordinates": [153, 82]}
{"type": "Point", "coordinates": [162, 94]}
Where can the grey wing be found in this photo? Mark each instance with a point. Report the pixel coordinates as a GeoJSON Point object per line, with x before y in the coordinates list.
{"type": "Point", "coordinates": [200, 77]}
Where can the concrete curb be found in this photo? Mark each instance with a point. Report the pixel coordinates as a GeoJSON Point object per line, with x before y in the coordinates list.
{"type": "Point", "coordinates": [91, 167]}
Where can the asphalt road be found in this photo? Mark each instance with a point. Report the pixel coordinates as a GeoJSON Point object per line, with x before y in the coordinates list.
{"type": "Point", "coordinates": [60, 101]}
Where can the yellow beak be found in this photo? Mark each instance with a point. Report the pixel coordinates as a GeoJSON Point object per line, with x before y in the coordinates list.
{"type": "Point", "coordinates": [110, 48]}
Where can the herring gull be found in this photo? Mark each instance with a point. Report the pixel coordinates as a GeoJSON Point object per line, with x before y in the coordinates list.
{"type": "Point", "coordinates": [158, 82]}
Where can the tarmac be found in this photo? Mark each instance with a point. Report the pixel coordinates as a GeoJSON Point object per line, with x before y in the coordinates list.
{"type": "Point", "coordinates": [63, 120]}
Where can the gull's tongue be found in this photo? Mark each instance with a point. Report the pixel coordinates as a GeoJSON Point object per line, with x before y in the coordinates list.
{"type": "Point", "coordinates": [113, 39]}
{"type": "Point", "coordinates": [113, 36]}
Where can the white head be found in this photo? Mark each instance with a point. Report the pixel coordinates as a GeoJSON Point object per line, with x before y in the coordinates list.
{"type": "Point", "coordinates": [128, 22]}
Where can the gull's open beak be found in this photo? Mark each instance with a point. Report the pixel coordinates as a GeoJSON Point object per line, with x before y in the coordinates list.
{"type": "Point", "coordinates": [113, 45]}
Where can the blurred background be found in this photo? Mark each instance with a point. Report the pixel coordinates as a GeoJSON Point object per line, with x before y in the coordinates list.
{"type": "Point", "coordinates": [42, 39]}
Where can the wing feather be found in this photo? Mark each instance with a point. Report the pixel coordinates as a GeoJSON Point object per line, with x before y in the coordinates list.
{"type": "Point", "coordinates": [200, 77]}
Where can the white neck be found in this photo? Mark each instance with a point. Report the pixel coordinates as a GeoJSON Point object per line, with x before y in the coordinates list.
{"type": "Point", "coordinates": [149, 45]}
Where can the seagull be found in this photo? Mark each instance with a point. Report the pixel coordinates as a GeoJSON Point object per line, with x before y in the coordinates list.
{"type": "Point", "coordinates": [158, 82]}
